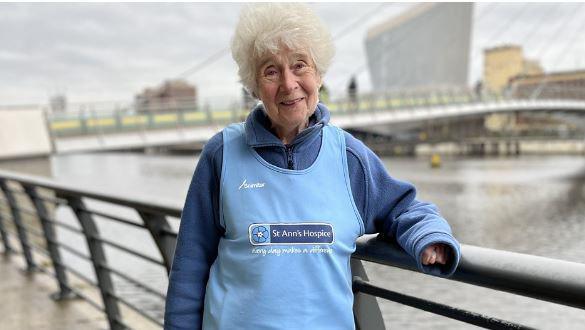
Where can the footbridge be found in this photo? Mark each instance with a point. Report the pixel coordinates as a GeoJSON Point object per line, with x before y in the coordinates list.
{"type": "Point", "coordinates": [380, 113]}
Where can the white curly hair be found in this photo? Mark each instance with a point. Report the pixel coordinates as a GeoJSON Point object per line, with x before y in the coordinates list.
{"type": "Point", "coordinates": [266, 27]}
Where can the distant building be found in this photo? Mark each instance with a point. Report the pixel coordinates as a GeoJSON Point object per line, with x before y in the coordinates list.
{"type": "Point", "coordinates": [58, 103]}
{"type": "Point", "coordinates": [532, 67]}
{"type": "Point", "coordinates": [428, 46]}
{"type": "Point", "coordinates": [554, 85]}
{"type": "Point", "coordinates": [503, 63]}
{"type": "Point", "coordinates": [172, 95]}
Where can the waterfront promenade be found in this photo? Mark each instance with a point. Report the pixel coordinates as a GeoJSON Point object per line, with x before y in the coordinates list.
{"type": "Point", "coordinates": [26, 302]}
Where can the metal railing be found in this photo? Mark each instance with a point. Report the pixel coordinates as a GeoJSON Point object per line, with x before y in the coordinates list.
{"type": "Point", "coordinates": [27, 202]}
{"type": "Point", "coordinates": [30, 204]}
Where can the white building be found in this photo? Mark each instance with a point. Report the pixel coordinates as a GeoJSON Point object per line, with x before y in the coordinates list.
{"type": "Point", "coordinates": [428, 46]}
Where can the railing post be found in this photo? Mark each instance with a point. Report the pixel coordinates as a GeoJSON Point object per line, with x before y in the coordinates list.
{"type": "Point", "coordinates": [157, 225]}
{"type": "Point", "coordinates": [366, 311]}
{"type": "Point", "coordinates": [7, 248]}
{"type": "Point", "coordinates": [98, 258]}
{"type": "Point", "coordinates": [22, 237]}
{"type": "Point", "coordinates": [51, 239]}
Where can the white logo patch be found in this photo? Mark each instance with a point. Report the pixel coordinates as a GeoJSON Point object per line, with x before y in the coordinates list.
{"type": "Point", "coordinates": [246, 185]}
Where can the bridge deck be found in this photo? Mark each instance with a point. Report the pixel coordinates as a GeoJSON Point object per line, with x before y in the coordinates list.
{"type": "Point", "coordinates": [26, 303]}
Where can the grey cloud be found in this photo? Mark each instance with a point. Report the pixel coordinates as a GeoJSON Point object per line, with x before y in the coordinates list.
{"type": "Point", "coordinates": [113, 50]}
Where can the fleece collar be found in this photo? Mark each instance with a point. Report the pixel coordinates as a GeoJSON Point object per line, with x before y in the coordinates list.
{"type": "Point", "coordinates": [259, 134]}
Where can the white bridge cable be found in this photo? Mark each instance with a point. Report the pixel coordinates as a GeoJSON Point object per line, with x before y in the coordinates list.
{"type": "Point", "coordinates": [361, 20]}
{"type": "Point", "coordinates": [526, 39]}
{"type": "Point", "coordinates": [205, 63]}
{"type": "Point", "coordinates": [477, 20]}
{"type": "Point", "coordinates": [509, 24]}
{"type": "Point", "coordinates": [565, 50]}
{"type": "Point", "coordinates": [577, 33]}
{"type": "Point", "coordinates": [544, 47]}
{"type": "Point", "coordinates": [477, 52]}
{"type": "Point", "coordinates": [363, 67]}
{"type": "Point", "coordinates": [506, 27]}
{"type": "Point", "coordinates": [216, 56]}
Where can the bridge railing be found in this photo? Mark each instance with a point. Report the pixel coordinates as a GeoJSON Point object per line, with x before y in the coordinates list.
{"type": "Point", "coordinates": [34, 223]}
{"type": "Point", "coordinates": [91, 122]}
{"type": "Point", "coordinates": [104, 118]}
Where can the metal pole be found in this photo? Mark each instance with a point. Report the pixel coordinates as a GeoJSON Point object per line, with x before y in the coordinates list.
{"type": "Point", "coordinates": [51, 239]}
{"type": "Point", "coordinates": [98, 258]}
{"type": "Point", "coordinates": [366, 311]}
{"type": "Point", "coordinates": [157, 225]}
{"type": "Point", "coordinates": [7, 248]}
{"type": "Point", "coordinates": [436, 308]}
{"type": "Point", "coordinates": [52, 136]}
{"type": "Point", "coordinates": [22, 237]}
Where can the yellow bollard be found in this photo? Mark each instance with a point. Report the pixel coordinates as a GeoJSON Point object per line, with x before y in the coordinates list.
{"type": "Point", "coordinates": [435, 161]}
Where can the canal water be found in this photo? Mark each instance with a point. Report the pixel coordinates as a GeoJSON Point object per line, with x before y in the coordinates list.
{"type": "Point", "coordinates": [526, 204]}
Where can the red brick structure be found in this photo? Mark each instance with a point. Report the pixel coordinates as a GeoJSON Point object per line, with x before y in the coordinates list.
{"type": "Point", "coordinates": [172, 95]}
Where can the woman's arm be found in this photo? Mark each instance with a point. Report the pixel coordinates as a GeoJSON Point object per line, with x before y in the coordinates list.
{"type": "Point", "coordinates": [389, 206]}
{"type": "Point", "coordinates": [197, 242]}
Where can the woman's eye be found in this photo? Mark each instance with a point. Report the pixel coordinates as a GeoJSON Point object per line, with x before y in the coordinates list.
{"type": "Point", "coordinates": [270, 72]}
{"type": "Point", "coordinates": [299, 65]}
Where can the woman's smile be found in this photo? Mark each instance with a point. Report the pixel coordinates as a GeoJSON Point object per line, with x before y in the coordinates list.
{"type": "Point", "coordinates": [292, 102]}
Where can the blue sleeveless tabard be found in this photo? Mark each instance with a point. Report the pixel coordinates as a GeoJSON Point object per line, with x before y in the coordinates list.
{"type": "Point", "coordinates": [283, 262]}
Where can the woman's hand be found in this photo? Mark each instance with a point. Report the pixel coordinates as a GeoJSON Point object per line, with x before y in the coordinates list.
{"type": "Point", "coordinates": [435, 253]}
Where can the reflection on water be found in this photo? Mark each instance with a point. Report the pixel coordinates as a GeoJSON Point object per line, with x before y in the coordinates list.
{"type": "Point", "coordinates": [529, 204]}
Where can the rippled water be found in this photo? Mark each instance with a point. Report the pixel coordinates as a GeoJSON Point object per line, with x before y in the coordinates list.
{"type": "Point", "coordinates": [528, 204]}
{"type": "Point", "coordinates": [531, 205]}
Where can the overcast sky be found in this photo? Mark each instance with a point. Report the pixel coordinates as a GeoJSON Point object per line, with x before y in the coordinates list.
{"type": "Point", "coordinates": [109, 52]}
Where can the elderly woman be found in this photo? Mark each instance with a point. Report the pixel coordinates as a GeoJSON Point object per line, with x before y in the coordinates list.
{"type": "Point", "coordinates": [277, 202]}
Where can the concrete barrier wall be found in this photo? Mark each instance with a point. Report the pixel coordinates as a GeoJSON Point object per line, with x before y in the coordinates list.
{"type": "Point", "coordinates": [23, 133]}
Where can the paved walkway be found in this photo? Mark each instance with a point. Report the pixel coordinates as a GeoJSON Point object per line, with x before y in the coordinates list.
{"type": "Point", "coordinates": [25, 303]}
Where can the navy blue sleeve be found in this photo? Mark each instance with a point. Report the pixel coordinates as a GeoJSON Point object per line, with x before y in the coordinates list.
{"type": "Point", "coordinates": [389, 206]}
{"type": "Point", "coordinates": [197, 242]}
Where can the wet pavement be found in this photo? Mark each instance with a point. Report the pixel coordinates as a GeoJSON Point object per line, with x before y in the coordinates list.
{"type": "Point", "coordinates": [26, 302]}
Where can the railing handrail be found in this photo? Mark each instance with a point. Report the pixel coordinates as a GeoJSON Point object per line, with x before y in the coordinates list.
{"type": "Point", "coordinates": [542, 278]}
{"type": "Point", "coordinates": [110, 197]}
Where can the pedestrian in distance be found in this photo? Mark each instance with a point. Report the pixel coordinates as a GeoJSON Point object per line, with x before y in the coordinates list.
{"type": "Point", "coordinates": [277, 202]}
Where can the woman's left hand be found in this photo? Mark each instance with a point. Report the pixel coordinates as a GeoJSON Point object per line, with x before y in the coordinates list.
{"type": "Point", "coordinates": [435, 253]}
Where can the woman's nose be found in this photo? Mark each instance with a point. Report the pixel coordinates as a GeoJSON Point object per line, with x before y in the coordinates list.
{"type": "Point", "coordinates": [289, 80]}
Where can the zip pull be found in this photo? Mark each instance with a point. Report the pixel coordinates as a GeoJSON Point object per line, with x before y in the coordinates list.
{"type": "Point", "coordinates": [289, 157]}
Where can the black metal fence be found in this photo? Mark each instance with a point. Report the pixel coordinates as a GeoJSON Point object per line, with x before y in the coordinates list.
{"type": "Point", "coordinates": [29, 221]}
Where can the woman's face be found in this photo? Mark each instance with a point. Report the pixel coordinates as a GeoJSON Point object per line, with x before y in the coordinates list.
{"type": "Point", "coordinates": [288, 85]}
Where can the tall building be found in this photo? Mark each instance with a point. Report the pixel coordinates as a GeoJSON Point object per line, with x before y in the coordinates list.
{"type": "Point", "coordinates": [428, 46]}
{"type": "Point", "coordinates": [503, 63]}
